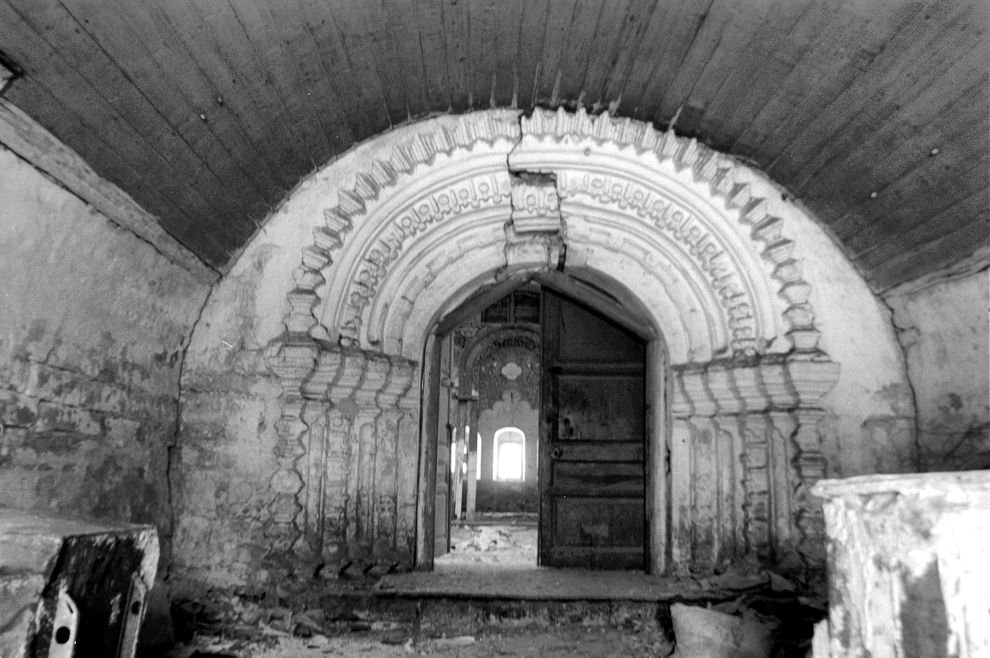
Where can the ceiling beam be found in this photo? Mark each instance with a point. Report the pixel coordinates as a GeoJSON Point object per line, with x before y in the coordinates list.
{"type": "Point", "coordinates": [30, 141]}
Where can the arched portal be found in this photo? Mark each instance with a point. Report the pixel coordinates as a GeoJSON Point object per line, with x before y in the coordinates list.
{"type": "Point", "coordinates": [396, 236]}
{"type": "Point", "coordinates": [581, 462]}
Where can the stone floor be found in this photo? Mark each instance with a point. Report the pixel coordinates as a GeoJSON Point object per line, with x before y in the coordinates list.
{"type": "Point", "coordinates": [487, 597]}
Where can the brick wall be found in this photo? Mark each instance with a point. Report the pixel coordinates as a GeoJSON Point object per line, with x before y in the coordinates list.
{"type": "Point", "coordinates": [93, 323]}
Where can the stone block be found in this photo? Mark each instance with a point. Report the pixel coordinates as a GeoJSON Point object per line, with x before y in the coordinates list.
{"type": "Point", "coordinates": [908, 565]}
{"type": "Point", "coordinates": [105, 570]}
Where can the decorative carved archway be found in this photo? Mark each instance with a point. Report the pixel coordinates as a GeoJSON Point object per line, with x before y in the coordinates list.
{"type": "Point", "coordinates": [670, 227]}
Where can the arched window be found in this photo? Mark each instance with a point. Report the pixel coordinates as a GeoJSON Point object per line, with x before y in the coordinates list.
{"type": "Point", "coordinates": [509, 454]}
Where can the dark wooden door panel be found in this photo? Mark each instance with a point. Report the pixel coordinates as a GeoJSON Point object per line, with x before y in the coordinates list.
{"type": "Point", "coordinates": [600, 407]}
{"type": "Point", "coordinates": [597, 479]}
{"type": "Point", "coordinates": [592, 476]}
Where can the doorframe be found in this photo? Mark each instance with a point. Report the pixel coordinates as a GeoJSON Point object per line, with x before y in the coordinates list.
{"type": "Point", "coordinates": [658, 396]}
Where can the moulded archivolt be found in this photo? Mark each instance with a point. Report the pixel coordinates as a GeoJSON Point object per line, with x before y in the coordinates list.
{"type": "Point", "coordinates": [423, 203]}
{"type": "Point", "coordinates": [681, 189]}
{"type": "Point", "coordinates": [617, 181]}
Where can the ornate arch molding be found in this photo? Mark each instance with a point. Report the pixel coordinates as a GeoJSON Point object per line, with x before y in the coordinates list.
{"type": "Point", "coordinates": [487, 344]}
{"type": "Point", "coordinates": [619, 184]}
{"type": "Point", "coordinates": [492, 195]}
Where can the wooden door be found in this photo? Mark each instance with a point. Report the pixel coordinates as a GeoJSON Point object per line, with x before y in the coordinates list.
{"type": "Point", "coordinates": [592, 468]}
{"type": "Point", "coordinates": [445, 437]}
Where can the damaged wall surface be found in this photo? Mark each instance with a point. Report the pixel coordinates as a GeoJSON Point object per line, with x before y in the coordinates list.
{"type": "Point", "coordinates": [93, 322]}
{"type": "Point", "coordinates": [301, 389]}
{"type": "Point", "coordinates": [908, 565]}
{"type": "Point", "coordinates": [945, 333]}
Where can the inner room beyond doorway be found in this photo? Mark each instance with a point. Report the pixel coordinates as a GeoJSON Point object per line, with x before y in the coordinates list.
{"type": "Point", "coordinates": [541, 437]}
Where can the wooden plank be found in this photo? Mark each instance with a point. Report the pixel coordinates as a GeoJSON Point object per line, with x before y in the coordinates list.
{"type": "Point", "coordinates": [591, 450]}
{"type": "Point", "coordinates": [668, 25]}
{"type": "Point", "coordinates": [621, 39]}
{"type": "Point", "coordinates": [598, 368]}
{"type": "Point", "coordinates": [93, 68]}
{"type": "Point", "coordinates": [376, 39]}
{"type": "Point", "coordinates": [908, 169]}
{"type": "Point", "coordinates": [349, 22]}
{"type": "Point", "coordinates": [273, 42]}
{"type": "Point", "coordinates": [338, 75]}
{"type": "Point", "coordinates": [302, 75]}
{"type": "Point", "coordinates": [952, 217]}
{"type": "Point", "coordinates": [114, 166]}
{"type": "Point", "coordinates": [579, 50]}
{"type": "Point", "coordinates": [603, 558]}
{"type": "Point", "coordinates": [426, 511]}
{"type": "Point", "coordinates": [48, 110]}
{"type": "Point", "coordinates": [441, 539]}
{"type": "Point", "coordinates": [597, 300]}
{"type": "Point", "coordinates": [556, 29]}
{"type": "Point", "coordinates": [479, 302]}
{"type": "Point", "coordinates": [715, 54]}
{"type": "Point", "coordinates": [550, 346]}
{"type": "Point", "coordinates": [226, 48]}
{"type": "Point", "coordinates": [457, 51]}
{"type": "Point", "coordinates": [482, 17]}
{"type": "Point", "coordinates": [432, 54]}
{"type": "Point", "coordinates": [506, 32]}
{"type": "Point", "coordinates": [137, 46]}
{"type": "Point", "coordinates": [957, 232]}
{"type": "Point", "coordinates": [65, 104]}
{"type": "Point", "coordinates": [658, 455]}
{"type": "Point", "coordinates": [809, 149]}
{"type": "Point", "coordinates": [598, 480]}
{"type": "Point", "coordinates": [842, 46]}
{"type": "Point", "coordinates": [921, 103]}
{"type": "Point", "coordinates": [532, 40]}
{"type": "Point", "coordinates": [690, 28]}
{"type": "Point", "coordinates": [918, 195]}
{"type": "Point", "coordinates": [405, 54]}
{"type": "Point", "coordinates": [458, 479]}
{"type": "Point", "coordinates": [473, 457]}
{"type": "Point", "coordinates": [29, 140]}
{"type": "Point", "coordinates": [910, 151]}
{"type": "Point", "coordinates": [246, 97]}
{"type": "Point", "coordinates": [752, 70]}
{"type": "Point", "coordinates": [933, 255]}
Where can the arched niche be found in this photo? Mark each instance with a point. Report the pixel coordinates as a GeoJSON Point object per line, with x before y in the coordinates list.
{"type": "Point", "coordinates": [395, 237]}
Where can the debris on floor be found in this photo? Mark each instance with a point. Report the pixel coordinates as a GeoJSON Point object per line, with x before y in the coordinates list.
{"type": "Point", "coordinates": [709, 633]}
{"type": "Point", "coordinates": [488, 598]}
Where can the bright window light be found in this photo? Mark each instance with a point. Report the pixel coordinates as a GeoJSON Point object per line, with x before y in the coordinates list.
{"type": "Point", "coordinates": [509, 454]}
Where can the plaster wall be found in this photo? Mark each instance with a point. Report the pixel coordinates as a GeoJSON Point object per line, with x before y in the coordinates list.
{"type": "Point", "coordinates": [93, 323]}
{"type": "Point", "coordinates": [869, 426]}
{"type": "Point", "coordinates": [944, 331]}
{"type": "Point", "coordinates": [242, 457]}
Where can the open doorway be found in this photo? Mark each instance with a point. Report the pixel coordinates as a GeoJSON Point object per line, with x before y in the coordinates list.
{"type": "Point", "coordinates": [538, 404]}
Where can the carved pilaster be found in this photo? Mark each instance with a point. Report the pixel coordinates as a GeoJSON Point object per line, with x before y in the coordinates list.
{"type": "Point", "coordinates": [757, 510]}
{"type": "Point", "coordinates": [339, 494]}
{"type": "Point", "coordinates": [811, 378]}
{"type": "Point", "coordinates": [293, 362]}
{"type": "Point", "coordinates": [369, 445]}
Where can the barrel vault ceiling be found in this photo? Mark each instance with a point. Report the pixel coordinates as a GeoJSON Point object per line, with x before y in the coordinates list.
{"type": "Point", "coordinates": [873, 113]}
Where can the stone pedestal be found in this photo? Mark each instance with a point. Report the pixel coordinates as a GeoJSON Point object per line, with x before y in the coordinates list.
{"type": "Point", "coordinates": [909, 565]}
